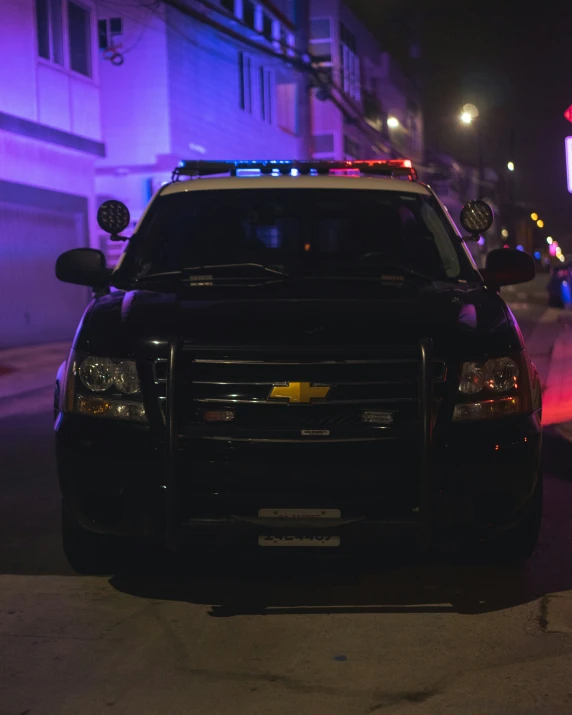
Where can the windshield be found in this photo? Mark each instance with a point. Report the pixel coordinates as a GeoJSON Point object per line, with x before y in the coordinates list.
{"type": "Point", "coordinates": [312, 232]}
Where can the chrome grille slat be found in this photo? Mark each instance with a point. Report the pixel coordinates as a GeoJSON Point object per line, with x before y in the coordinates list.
{"type": "Point", "coordinates": [278, 402]}
{"type": "Point", "coordinates": [271, 383]}
{"type": "Point", "coordinates": [304, 362]}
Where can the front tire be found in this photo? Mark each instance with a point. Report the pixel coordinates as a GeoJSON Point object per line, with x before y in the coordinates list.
{"type": "Point", "coordinates": [518, 544]}
{"type": "Point", "coordinates": [86, 551]}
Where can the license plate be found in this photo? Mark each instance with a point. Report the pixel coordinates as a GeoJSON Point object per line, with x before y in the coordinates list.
{"type": "Point", "coordinates": [299, 513]}
{"type": "Point", "coordinates": [315, 541]}
{"type": "Point", "coordinates": [303, 540]}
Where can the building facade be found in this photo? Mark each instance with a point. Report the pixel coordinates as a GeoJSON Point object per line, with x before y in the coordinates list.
{"type": "Point", "coordinates": [194, 81]}
{"type": "Point", "coordinates": [50, 139]}
{"type": "Point", "coordinates": [367, 110]}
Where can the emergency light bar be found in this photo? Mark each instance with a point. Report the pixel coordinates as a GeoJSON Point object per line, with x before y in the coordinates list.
{"type": "Point", "coordinates": [381, 167]}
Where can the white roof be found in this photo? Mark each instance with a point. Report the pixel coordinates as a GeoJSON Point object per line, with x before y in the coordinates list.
{"type": "Point", "coordinates": [297, 182]}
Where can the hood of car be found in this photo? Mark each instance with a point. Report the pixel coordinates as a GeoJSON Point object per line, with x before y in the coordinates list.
{"type": "Point", "coordinates": [460, 322]}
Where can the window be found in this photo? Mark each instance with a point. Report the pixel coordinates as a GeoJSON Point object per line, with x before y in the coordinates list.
{"type": "Point", "coordinates": [79, 39]}
{"type": "Point", "coordinates": [273, 226]}
{"type": "Point", "coordinates": [323, 144]}
{"type": "Point", "coordinates": [320, 44]}
{"type": "Point", "coordinates": [248, 13]}
{"type": "Point", "coordinates": [286, 107]}
{"type": "Point", "coordinates": [228, 5]}
{"type": "Point", "coordinates": [320, 29]}
{"type": "Point", "coordinates": [262, 87]}
{"type": "Point", "coordinates": [49, 29]}
{"type": "Point", "coordinates": [269, 88]}
{"type": "Point", "coordinates": [266, 89]}
{"type": "Point", "coordinates": [350, 69]}
{"type": "Point", "coordinates": [267, 26]}
{"type": "Point", "coordinates": [107, 31]}
{"type": "Point", "coordinates": [245, 82]}
{"type": "Point", "coordinates": [351, 148]}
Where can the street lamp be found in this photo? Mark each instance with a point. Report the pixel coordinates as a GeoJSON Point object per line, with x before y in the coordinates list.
{"type": "Point", "coordinates": [549, 240]}
{"type": "Point", "coordinates": [466, 118]}
{"type": "Point", "coordinates": [540, 223]}
{"type": "Point", "coordinates": [393, 122]}
{"type": "Point", "coordinates": [534, 217]}
{"type": "Point", "coordinates": [510, 166]}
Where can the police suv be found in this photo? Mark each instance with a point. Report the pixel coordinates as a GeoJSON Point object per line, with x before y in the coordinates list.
{"type": "Point", "coordinates": [297, 354]}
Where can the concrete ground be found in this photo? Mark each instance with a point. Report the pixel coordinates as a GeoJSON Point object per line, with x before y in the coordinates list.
{"type": "Point", "coordinates": [173, 636]}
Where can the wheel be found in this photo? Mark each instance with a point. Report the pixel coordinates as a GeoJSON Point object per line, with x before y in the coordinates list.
{"type": "Point", "coordinates": [86, 551]}
{"type": "Point", "coordinates": [518, 544]}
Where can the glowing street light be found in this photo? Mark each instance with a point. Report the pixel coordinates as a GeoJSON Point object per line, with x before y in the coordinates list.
{"type": "Point", "coordinates": [468, 114]}
{"type": "Point", "coordinates": [540, 223]}
{"type": "Point", "coordinates": [510, 166]}
{"type": "Point", "coordinates": [393, 122]}
{"type": "Point", "coordinates": [549, 240]}
{"type": "Point", "coordinates": [534, 217]}
{"type": "Point", "coordinates": [558, 251]}
{"type": "Point", "coordinates": [504, 233]}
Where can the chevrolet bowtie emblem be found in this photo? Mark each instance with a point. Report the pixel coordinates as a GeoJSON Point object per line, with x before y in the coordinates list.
{"type": "Point", "coordinates": [299, 392]}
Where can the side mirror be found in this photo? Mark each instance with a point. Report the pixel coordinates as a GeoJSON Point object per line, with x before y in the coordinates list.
{"type": "Point", "coordinates": [476, 218]}
{"type": "Point", "coordinates": [506, 267]}
{"type": "Point", "coordinates": [113, 217]}
{"type": "Point", "coordinates": [84, 267]}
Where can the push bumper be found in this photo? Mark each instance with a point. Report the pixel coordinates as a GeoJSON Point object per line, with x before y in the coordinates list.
{"type": "Point", "coordinates": [113, 478]}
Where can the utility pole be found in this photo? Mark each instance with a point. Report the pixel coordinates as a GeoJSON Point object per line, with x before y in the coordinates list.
{"type": "Point", "coordinates": [304, 109]}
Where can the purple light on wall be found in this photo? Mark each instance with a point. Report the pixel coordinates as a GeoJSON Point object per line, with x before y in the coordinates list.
{"type": "Point", "coordinates": [568, 145]}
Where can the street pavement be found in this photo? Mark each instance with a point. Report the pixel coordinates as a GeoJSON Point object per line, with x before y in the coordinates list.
{"type": "Point", "coordinates": [403, 635]}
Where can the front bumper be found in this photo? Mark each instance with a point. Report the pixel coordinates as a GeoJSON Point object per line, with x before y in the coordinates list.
{"type": "Point", "coordinates": [113, 479]}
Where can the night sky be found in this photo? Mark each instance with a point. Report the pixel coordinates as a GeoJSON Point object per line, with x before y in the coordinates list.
{"type": "Point", "coordinates": [514, 64]}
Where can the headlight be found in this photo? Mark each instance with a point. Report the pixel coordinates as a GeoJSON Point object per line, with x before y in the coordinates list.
{"type": "Point", "coordinates": [116, 409]}
{"type": "Point", "coordinates": [472, 378]}
{"type": "Point", "coordinates": [497, 375]}
{"type": "Point", "coordinates": [97, 374]}
{"type": "Point", "coordinates": [118, 378]}
{"type": "Point", "coordinates": [486, 410]}
{"type": "Point", "coordinates": [126, 378]}
{"type": "Point", "coordinates": [501, 374]}
{"type": "Point", "coordinates": [484, 381]}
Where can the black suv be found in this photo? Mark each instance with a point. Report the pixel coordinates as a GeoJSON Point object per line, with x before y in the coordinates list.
{"type": "Point", "coordinates": [297, 354]}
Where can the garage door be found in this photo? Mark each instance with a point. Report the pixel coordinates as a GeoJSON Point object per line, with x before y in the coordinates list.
{"type": "Point", "coordinates": [34, 306]}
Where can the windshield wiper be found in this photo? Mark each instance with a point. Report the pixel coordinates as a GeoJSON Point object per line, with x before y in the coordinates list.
{"type": "Point", "coordinates": [218, 266]}
{"type": "Point", "coordinates": [190, 270]}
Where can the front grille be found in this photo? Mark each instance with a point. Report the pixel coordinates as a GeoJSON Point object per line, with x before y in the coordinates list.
{"type": "Point", "coordinates": [263, 456]}
{"type": "Point", "coordinates": [386, 381]}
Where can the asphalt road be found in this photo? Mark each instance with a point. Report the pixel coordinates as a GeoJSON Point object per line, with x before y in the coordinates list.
{"type": "Point", "coordinates": [172, 636]}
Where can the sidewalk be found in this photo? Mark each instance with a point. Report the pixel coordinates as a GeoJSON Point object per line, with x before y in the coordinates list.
{"type": "Point", "coordinates": [557, 395]}
{"type": "Point", "coordinates": [26, 370]}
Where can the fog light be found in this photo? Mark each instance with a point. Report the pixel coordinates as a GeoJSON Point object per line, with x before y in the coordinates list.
{"type": "Point", "coordinates": [114, 409]}
{"type": "Point", "coordinates": [218, 416]}
{"type": "Point", "coordinates": [486, 410]}
{"type": "Point", "coordinates": [373, 417]}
